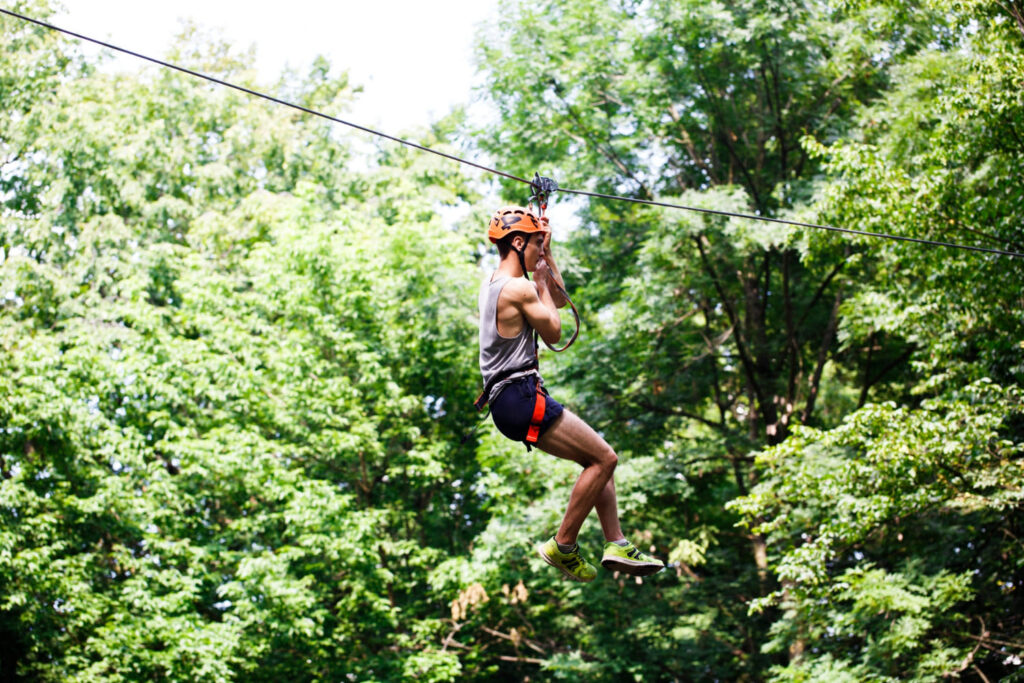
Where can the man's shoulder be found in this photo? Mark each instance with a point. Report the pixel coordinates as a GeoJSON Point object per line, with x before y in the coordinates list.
{"type": "Point", "coordinates": [519, 289]}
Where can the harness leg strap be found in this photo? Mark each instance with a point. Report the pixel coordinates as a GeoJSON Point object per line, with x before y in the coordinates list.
{"type": "Point", "coordinates": [533, 433]}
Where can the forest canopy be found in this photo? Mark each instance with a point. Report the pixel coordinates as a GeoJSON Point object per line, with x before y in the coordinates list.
{"type": "Point", "coordinates": [237, 439]}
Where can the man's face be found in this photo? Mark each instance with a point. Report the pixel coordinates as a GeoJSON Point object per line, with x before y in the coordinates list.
{"type": "Point", "coordinates": [534, 250]}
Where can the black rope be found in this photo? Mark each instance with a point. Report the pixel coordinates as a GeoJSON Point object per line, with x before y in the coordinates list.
{"type": "Point", "coordinates": [460, 160]}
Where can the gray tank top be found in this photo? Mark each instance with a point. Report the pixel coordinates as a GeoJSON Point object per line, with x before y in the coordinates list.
{"type": "Point", "coordinates": [498, 353]}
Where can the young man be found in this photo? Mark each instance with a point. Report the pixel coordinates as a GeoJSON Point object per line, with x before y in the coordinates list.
{"type": "Point", "coordinates": [511, 309]}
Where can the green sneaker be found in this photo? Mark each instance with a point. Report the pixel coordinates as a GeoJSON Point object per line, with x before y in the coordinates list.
{"type": "Point", "coordinates": [629, 560]}
{"type": "Point", "coordinates": [570, 564]}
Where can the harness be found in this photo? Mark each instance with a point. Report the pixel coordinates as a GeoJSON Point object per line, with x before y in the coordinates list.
{"type": "Point", "coordinates": [539, 405]}
{"type": "Point", "coordinates": [485, 396]}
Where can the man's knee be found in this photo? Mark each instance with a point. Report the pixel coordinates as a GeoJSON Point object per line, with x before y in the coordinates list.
{"type": "Point", "coordinates": [608, 459]}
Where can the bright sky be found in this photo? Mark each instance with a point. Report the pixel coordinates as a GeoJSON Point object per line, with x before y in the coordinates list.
{"type": "Point", "coordinates": [413, 58]}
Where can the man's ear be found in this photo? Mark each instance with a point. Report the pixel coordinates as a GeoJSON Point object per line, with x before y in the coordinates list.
{"type": "Point", "coordinates": [518, 242]}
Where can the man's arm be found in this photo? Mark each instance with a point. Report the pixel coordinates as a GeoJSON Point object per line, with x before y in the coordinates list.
{"type": "Point", "coordinates": [547, 275]}
{"type": "Point", "coordinates": [537, 306]}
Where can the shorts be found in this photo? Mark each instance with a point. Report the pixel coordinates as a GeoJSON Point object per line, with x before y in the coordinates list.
{"type": "Point", "coordinates": [512, 409]}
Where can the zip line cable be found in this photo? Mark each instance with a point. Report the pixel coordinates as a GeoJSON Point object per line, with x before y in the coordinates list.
{"type": "Point", "coordinates": [452, 157]}
{"type": "Point", "coordinates": [851, 231]}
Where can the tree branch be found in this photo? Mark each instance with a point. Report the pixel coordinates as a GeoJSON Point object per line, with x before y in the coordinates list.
{"type": "Point", "coordinates": [724, 137]}
{"type": "Point", "coordinates": [792, 346]}
{"type": "Point", "coordinates": [994, 240]}
{"type": "Point", "coordinates": [679, 412]}
{"type": "Point", "coordinates": [826, 342]}
{"type": "Point", "coordinates": [867, 372]}
{"type": "Point", "coordinates": [748, 364]}
{"type": "Point", "coordinates": [773, 88]}
{"type": "Point", "coordinates": [717, 387]}
{"type": "Point", "coordinates": [523, 660]}
{"type": "Point", "coordinates": [686, 140]}
{"type": "Point", "coordinates": [868, 383]}
{"type": "Point", "coordinates": [821, 290]}
{"type": "Point", "coordinates": [1015, 12]}
{"type": "Point", "coordinates": [606, 150]}
{"type": "Point", "coordinates": [766, 287]}
{"type": "Point", "coordinates": [505, 636]}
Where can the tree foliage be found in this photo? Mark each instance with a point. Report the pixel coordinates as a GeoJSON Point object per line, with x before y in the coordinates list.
{"type": "Point", "coordinates": [710, 339]}
{"type": "Point", "coordinates": [218, 461]}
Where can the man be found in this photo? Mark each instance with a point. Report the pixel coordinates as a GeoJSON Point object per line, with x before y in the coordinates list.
{"type": "Point", "coordinates": [511, 309]}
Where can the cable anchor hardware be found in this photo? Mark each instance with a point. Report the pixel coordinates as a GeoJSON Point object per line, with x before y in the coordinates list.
{"type": "Point", "coordinates": [541, 189]}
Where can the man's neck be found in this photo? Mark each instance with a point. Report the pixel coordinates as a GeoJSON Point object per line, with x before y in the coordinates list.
{"type": "Point", "coordinates": [510, 266]}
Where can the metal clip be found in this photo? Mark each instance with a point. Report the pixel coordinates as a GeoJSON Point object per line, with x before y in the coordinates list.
{"type": "Point", "coordinates": [542, 188]}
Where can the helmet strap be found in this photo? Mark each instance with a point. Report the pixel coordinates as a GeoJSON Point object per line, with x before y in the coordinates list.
{"type": "Point", "coordinates": [522, 261]}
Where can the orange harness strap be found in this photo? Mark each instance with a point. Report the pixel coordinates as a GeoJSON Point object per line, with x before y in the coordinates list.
{"type": "Point", "coordinates": [533, 433]}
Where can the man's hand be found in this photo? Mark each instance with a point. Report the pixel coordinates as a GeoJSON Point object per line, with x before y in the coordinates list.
{"type": "Point", "coordinates": [542, 274]}
{"type": "Point", "coordinates": [547, 235]}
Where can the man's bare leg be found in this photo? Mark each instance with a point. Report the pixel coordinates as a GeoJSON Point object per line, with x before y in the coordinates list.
{"type": "Point", "coordinates": [571, 438]}
{"type": "Point", "coordinates": [608, 512]}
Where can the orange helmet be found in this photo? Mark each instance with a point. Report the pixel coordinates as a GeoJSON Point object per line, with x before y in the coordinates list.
{"type": "Point", "coordinates": [510, 219]}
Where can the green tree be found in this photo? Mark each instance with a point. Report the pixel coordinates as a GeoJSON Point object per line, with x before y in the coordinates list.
{"type": "Point", "coordinates": [234, 381]}
{"type": "Point", "coordinates": [708, 339]}
{"type": "Point", "coordinates": [897, 533]}
{"type": "Point", "coordinates": [893, 537]}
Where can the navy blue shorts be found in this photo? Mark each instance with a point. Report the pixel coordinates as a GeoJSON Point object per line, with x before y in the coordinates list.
{"type": "Point", "coordinates": [512, 409]}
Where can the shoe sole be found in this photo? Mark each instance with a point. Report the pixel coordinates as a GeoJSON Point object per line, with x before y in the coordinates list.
{"type": "Point", "coordinates": [631, 567]}
{"type": "Point", "coordinates": [560, 568]}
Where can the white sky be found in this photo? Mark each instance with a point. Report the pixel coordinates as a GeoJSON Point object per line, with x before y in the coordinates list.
{"type": "Point", "coordinates": [413, 58]}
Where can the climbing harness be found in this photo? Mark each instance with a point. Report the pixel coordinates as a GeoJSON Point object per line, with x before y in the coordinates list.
{"type": "Point", "coordinates": [484, 398]}
{"type": "Point", "coordinates": [539, 407]}
{"type": "Point", "coordinates": [539, 403]}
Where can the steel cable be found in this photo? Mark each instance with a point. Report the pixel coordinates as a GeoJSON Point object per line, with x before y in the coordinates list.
{"type": "Point", "coordinates": [452, 157]}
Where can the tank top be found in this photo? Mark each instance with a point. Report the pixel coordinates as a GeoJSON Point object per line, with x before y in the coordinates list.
{"type": "Point", "coordinates": [498, 353]}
